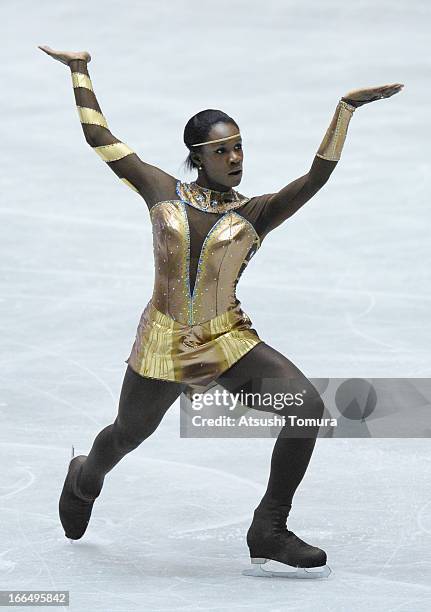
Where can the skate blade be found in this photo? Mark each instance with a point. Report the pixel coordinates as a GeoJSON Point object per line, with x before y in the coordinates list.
{"type": "Point", "coordinates": [281, 570]}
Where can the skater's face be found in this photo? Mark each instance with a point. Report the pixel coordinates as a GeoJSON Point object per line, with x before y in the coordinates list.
{"type": "Point", "coordinates": [222, 161]}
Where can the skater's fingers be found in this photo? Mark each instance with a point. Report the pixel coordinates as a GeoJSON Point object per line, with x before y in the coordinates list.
{"type": "Point", "coordinates": [46, 49]}
{"type": "Point", "coordinates": [57, 55]}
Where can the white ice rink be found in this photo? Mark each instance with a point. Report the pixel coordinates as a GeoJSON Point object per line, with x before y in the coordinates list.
{"type": "Point", "coordinates": [343, 289]}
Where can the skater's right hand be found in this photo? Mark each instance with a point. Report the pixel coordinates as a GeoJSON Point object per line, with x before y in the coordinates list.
{"type": "Point", "coordinates": [66, 56]}
{"type": "Point", "coordinates": [359, 97]}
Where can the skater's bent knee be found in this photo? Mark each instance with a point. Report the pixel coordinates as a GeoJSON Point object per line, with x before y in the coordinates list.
{"type": "Point", "coordinates": [126, 439]}
{"type": "Point", "coordinates": [130, 435]}
{"type": "Point", "coordinates": [318, 407]}
{"type": "Point", "coordinates": [310, 406]}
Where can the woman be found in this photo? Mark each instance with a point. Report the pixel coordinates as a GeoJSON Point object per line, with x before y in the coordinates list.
{"type": "Point", "coordinates": [193, 332]}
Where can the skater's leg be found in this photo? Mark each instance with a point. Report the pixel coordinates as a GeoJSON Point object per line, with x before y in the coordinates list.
{"type": "Point", "coordinates": [142, 405]}
{"type": "Point", "coordinates": [143, 402]}
{"type": "Point", "coordinates": [265, 370]}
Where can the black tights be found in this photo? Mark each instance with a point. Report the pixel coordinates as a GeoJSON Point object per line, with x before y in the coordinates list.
{"type": "Point", "coordinates": [144, 401]}
{"type": "Point", "coordinates": [265, 370]}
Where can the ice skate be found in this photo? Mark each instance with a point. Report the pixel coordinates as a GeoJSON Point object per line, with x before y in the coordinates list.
{"type": "Point", "coordinates": [280, 550]}
{"type": "Point", "coordinates": [74, 508]}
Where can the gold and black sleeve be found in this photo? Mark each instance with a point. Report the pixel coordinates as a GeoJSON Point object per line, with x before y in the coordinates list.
{"type": "Point", "coordinates": [333, 141]}
{"type": "Point", "coordinates": [96, 131]}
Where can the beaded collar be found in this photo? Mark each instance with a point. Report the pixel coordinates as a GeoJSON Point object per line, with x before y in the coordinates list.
{"type": "Point", "coordinates": [209, 200]}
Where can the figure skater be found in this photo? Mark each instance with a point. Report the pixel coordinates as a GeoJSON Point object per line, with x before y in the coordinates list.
{"type": "Point", "coordinates": [193, 331]}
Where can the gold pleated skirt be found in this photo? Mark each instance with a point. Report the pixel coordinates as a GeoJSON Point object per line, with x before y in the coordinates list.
{"type": "Point", "coordinates": [195, 355]}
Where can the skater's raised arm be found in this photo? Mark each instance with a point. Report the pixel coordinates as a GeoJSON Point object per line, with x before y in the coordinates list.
{"type": "Point", "coordinates": [149, 181]}
{"type": "Point", "coordinates": [283, 204]}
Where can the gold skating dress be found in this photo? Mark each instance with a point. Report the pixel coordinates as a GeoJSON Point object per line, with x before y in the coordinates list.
{"type": "Point", "coordinates": [186, 333]}
{"type": "Point", "coordinates": [193, 328]}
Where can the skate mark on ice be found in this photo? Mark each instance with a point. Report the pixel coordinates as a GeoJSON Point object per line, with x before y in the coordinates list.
{"type": "Point", "coordinates": [408, 603]}
{"type": "Point", "coordinates": [52, 353]}
{"type": "Point", "coordinates": [33, 550]}
{"type": "Point", "coordinates": [420, 517]}
{"type": "Point", "coordinates": [198, 468]}
{"type": "Point", "coordinates": [370, 338]}
{"type": "Point", "coordinates": [20, 487]}
{"type": "Point", "coordinates": [394, 295]}
{"type": "Point", "coordinates": [367, 308]}
{"type": "Point", "coordinates": [64, 219]}
{"type": "Point", "coordinates": [6, 567]}
{"type": "Point", "coordinates": [72, 272]}
{"type": "Point", "coordinates": [61, 400]}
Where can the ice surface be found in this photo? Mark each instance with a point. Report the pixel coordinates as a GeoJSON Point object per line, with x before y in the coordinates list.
{"type": "Point", "coordinates": [342, 289]}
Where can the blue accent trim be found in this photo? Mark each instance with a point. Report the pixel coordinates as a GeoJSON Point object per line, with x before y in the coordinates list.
{"type": "Point", "coordinates": [201, 254]}
{"type": "Point", "coordinates": [177, 189]}
{"type": "Point", "coordinates": [191, 296]}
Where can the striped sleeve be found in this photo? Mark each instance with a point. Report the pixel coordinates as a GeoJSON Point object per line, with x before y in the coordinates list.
{"type": "Point", "coordinates": [94, 124]}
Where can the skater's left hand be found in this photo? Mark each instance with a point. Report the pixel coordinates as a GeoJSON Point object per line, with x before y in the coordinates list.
{"type": "Point", "coordinates": [358, 97]}
{"type": "Point", "coordinates": [65, 57]}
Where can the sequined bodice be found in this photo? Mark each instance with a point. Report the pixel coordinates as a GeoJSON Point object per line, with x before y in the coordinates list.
{"type": "Point", "coordinates": [199, 257]}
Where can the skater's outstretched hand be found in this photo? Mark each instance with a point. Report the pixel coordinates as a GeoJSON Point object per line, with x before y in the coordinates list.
{"type": "Point", "coordinates": [358, 97]}
{"type": "Point", "coordinates": [65, 57]}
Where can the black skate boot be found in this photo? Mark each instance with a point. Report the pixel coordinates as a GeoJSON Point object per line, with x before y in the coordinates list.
{"type": "Point", "coordinates": [74, 507]}
{"type": "Point", "coordinates": [269, 540]}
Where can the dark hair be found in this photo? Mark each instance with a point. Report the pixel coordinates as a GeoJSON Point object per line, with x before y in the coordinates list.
{"type": "Point", "coordinates": [198, 128]}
